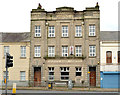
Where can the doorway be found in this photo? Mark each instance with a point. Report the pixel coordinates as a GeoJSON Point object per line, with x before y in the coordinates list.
{"type": "Point", "coordinates": [92, 76]}
{"type": "Point", "coordinates": [37, 76]}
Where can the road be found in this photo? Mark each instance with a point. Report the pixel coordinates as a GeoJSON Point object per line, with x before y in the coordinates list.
{"type": "Point", "coordinates": [39, 92]}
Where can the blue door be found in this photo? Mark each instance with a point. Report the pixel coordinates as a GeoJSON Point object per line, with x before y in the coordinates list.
{"type": "Point", "coordinates": [110, 80]}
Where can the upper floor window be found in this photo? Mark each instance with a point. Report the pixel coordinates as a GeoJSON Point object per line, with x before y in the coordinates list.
{"type": "Point", "coordinates": [51, 73]}
{"type": "Point", "coordinates": [109, 57]}
{"type": "Point", "coordinates": [37, 31]}
{"type": "Point", "coordinates": [92, 30]}
{"type": "Point", "coordinates": [23, 51]}
{"type": "Point", "coordinates": [64, 31]}
{"type": "Point", "coordinates": [78, 71]}
{"type": "Point", "coordinates": [22, 75]}
{"type": "Point", "coordinates": [78, 51]}
{"type": "Point", "coordinates": [64, 51]}
{"type": "Point", "coordinates": [78, 31]}
{"type": "Point", "coordinates": [37, 51]}
{"type": "Point", "coordinates": [6, 50]}
{"type": "Point", "coordinates": [51, 51]}
{"type": "Point", "coordinates": [118, 56]}
{"type": "Point", "coordinates": [51, 31]}
{"type": "Point", "coordinates": [92, 51]}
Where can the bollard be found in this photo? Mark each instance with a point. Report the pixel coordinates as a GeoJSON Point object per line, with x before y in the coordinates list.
{"type": "Point", "coordinates": [14, 89]}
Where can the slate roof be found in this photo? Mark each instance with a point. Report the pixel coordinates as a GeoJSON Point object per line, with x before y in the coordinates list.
{"type": "Point", "coordinates": [16, 37]}
{"type": "Point", "coordinates": [110, 35]}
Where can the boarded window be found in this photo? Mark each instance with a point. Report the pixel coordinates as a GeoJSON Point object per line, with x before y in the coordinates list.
{"type": "Point", "coordinates": [109, 56]}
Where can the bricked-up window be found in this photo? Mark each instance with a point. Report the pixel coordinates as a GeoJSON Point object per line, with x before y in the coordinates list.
{"type": "Point", "coordinates": [37, 31]}
{"type": "Point", "coordinates": [4, 75]}
{"type": "Point", "coordinates": [22, 75]}
{"type": "Point", "coordinates": [78, 51]}
{"type": "Point", "coordinates": [64, 51]}
{"type": "Point", "coordinates": [64, 31]}
{"type": "Point", "coordinates": [109, 57]}
{"type": "Point", "coordinates": [78, 31]}
{"type": "Point", "coordinates": [23, 51]}
{"type": "Point", "coordinates": [51, 73]}
{"type": "Point", "coordinates": [78, 71]}
{"type": "Point", "coordinates": [6, 50]}
{"type": "Point", "coordinates": [64, 73]}
{"type": "Point", "coordinates": [92, 51]}
{"type": "Point", "coordinates": [51, 31]}
{"type": "Point", "coordinates": [118, 56]}
{"type": "Point", "coordinates": [37, 51]}
{"type": "Point", "coordinates": [51, 51]}
{"type": "Point", "coordinates": [92, 30]}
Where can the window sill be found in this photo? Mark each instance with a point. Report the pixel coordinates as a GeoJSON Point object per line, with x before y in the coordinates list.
{"type": "Point", "coordinates": [78, 37]}
{"type": "Point", "coordinates": [92, 36]}
{"type": "Point", "coordinates": [92, 56]}
{"type": "Point", "coordinates": [37, 37]}
{"type": "Point", "coordinates": [64, 37]}
{"type": "Point", "coordinates": [22, 57]}
{"type": "Point", "coordinates": [37, 57]}
{"type": "Point", "coordinates": [51, 37]}
{"type": "Point", "coordinates": [22, 80]}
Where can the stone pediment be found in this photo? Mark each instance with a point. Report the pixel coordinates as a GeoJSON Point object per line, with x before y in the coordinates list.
{"type": "Point", "coordinates": [64, 9]}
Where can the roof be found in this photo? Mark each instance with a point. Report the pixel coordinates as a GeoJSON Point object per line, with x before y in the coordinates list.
{"type": "Point", "coordinates": [109, 35]}
{"type": "Point", "coordinates": [16, 37]}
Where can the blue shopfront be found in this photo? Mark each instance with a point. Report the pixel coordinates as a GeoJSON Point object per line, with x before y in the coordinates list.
{"type": "Point", "coordinates": [110, 79]}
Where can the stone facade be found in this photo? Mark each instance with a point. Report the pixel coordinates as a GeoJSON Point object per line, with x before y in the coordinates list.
{"type": "Point", "coordinates": [65, 16]}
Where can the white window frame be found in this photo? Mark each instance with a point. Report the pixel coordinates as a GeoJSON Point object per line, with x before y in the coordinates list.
{"type": "Point", "coordinates": [65, 31]}
{"type": "Point", "coordinates": [64, 69]}
{"type": "Point", "coordinates": [37, 51]}
{"type": "Point", "coordinates": [92, 30]}
{"type": "Point", "coordinates": [51, 70]}
{"type": "Point", "coordinates": [23, 51]}
{"type": "Point", "coordinates": [6, 50]}
{"type": "Point", "coordinates": [79, 69]}
{"type": "Point", "coordinates": [78, 31]}
{"type": "Point", "coordinates": [37, 31]}
{"type": "Point", "coordinates": [51, 51]}
{"type": "Point", "coordinates": [22, 75]}
{"type": "Point", "coordinates": [78, 51]}
{"type": "Point", "coordinates": [4, 75]}
{"type": "Point", "coordinates": [64, 51]}
{"type": "Point", "coordinates": [51, 31]}
{"type": "Point", "coordinates": [92, 50]}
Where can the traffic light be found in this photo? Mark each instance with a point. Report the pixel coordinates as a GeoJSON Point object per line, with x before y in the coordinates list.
{"type": "Point", "coordinates": [9, 60]}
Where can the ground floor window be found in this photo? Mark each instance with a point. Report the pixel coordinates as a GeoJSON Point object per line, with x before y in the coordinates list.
{"type": "Point", "coordinates": [64, 73]}
{"type": "Point", "coordinates": [78, 71]}
{"type": "Point", "coordinates": [51, 73]}
{"type": "Point", "coordinates": [22, 75]}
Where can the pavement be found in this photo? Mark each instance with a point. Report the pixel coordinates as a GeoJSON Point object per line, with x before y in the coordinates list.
{"type": "Point", "coordinates": [66, 89]}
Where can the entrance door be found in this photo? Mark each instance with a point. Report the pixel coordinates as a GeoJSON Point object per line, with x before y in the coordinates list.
{"type": "Point", "coordinates": [37, 76]}
{"type": "Point", "coordinates": [92, 77]}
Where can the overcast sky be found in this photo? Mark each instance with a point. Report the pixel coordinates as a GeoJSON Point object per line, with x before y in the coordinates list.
{"type": "Point", "coordinates": [15, 14]}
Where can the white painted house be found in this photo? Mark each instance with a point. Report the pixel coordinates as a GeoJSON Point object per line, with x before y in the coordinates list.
{"type": "Point", "coordinates": [110, 59]}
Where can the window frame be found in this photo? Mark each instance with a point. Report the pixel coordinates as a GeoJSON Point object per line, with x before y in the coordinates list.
{"type": "Point", "coordinates": [23, 51]}
{"type": "Point", "coordinates": [23, 76]}
{"type": "Point", "coordinates": [92, 30]}
{"type": "Point", "coordinates": [6, 49]}
{"type": "Point", "coordinates": [51, 32]}
{"type": "Point", "coordinates": [50, 51]}
{"type": "Point", "coordinates": [64, 48]}
{"type": "Point", "coordinates": [37, 31]}
{"type": "Point", "coordinates": [78, 31]}
{"type": "Point", "coordinates": [79, 70]}
{"type": "Point", "coordinates": [37, 53]}
{"type": "Point", "coordinates": [62, 70]}
{"type": "Point", "coordinates": [92, 54]}
{"type": "Point", "coordinates": [50, 70]}
{"type": "Point", "coordinates": [79, 49]}
{"type": "Point", "coordinates": [65, 31]}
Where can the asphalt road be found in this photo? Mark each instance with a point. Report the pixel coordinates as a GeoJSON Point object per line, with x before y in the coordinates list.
{"type": "Point", "coordinates": [39, 92]}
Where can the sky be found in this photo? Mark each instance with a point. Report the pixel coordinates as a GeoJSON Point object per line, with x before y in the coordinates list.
{"type": "Point", "coordinates": [15, 14]}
